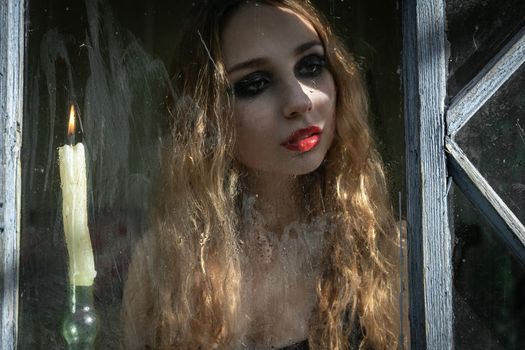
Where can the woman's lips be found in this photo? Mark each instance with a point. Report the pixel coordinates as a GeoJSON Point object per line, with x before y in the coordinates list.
{"type": "Point", "coordinates": [303, 140]}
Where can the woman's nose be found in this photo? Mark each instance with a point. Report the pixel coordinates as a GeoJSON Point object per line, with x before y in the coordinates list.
{"type": "Point", "coordinates": [296, 101]}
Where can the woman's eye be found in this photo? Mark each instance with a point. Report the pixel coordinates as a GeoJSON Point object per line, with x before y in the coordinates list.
{"type": "Point", "coordinates": [310, 66]}
{"type": "Point", "coordinates": [251, 85]}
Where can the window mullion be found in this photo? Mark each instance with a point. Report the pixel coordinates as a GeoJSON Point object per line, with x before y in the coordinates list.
{"type": "Point", "coordinates": [429, 238]}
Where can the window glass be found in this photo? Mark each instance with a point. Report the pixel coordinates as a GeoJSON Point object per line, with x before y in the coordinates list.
{"type": "Point", "coordinates": [113, 63]}
{"type": "Point", "coordinates": [494, 141]}
{"type": "Point", "coordinates": [476, 31]}
{"type": "Point", "coordinates": [489, 284]}
{"type": "Point", "coordinates": [81, 56]}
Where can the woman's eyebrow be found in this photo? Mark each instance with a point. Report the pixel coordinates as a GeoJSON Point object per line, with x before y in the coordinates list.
{"type": "Point", "coordinates": [247, 64]}
{"type": "Point", "coordinates": [260, 61]}
{"type": "Point", "coordinates": [304, 47]}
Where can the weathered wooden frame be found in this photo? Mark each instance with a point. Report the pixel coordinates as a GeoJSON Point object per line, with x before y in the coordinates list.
{"type": "Point", "coordinates": [495, 73]}
{"type": "Point", "coordinates": [475, 187]}
{"type": "Point", "coordinates": [463, 107]}
{"type": "Point", "coordinates": [12, 50]}
{"type": "Point", "coordinates": [429, 237]}
{"type": "Point", "coordinates": [431, 312]}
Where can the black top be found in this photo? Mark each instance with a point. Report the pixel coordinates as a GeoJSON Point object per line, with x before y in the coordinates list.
{"type": "Point", "coordinates": [297, 346]}
{"type": "Point", "coordinates": [354, 340]}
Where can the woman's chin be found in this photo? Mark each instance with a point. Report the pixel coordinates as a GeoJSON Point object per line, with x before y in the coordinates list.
{"type": "Point", "coordinates": [304, 165]}
{"type": "Point", "coordinates": [304, 169]}
{"type": "Point", "coordinates": [295, 165]}
{"type": "Point", "coordinates": [308, 162]}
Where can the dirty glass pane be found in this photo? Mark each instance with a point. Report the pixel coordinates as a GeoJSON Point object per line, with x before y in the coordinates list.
{"type": "Point", "coordinates": [112, 62]}
{"type": "Point", "coordinates": [476, 31]}
{"type": "Point", "coordinates": [489, 284]}
{"type": "Point", "coordinates": [494, 141]}
{"type": "Point", "coordinates": [79, 55]}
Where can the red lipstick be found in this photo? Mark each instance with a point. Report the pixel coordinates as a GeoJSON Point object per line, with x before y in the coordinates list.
{"type": "Point", "coordinates": [303, 140]}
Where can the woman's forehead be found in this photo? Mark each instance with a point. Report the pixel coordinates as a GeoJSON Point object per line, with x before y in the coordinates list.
{"type": "Point", "coordinates": [256, 30]}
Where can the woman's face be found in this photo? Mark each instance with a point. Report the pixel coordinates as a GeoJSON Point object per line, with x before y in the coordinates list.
{"type": "Point", "coordinates": [285, 96]}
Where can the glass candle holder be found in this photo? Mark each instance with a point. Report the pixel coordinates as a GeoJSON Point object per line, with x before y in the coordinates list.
{"type": "Point", "coordinates": [80, 325]}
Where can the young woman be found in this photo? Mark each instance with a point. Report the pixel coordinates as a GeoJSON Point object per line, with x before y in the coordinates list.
{"type": "Point", "coordinates": [271, 226]}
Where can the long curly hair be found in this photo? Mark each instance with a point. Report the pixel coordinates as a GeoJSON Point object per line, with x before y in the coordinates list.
{"type": "Point", "coordinates": [183, 288]}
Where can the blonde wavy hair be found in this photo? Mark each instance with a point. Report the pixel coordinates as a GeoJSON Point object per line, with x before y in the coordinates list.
{"type": "Point", "coordinates": [183, 286]}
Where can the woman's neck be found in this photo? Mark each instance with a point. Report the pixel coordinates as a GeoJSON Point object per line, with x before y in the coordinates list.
{"type": "Point", "coordinates": [278, 198]}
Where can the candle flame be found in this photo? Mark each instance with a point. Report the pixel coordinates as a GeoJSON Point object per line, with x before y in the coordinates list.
{"type": "Point", "coordinates": [71, 127]}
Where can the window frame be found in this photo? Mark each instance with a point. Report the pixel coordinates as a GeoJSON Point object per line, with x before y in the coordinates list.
{"type": "Point", "coordinates": [429, 235]}
{"type": "Point", "coordinates": [434, 160]}
{"type": "Point", "coordinates": [462, 108]}
{"type": "Point", "coordinates": [12, 49]}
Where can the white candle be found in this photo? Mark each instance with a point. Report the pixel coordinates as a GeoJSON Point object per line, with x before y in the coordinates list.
{"type": "Point", "coordinates": [73, 181]}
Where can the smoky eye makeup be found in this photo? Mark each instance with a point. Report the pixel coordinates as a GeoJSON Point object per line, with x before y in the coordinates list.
{"type": "Point", "coordinates": [310, 66]}
{"type": "Point", "coordinates": [252, 84]}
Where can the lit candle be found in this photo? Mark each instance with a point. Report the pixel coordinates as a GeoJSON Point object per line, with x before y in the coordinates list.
{"type": "Point", "coordinates": [73, 181]}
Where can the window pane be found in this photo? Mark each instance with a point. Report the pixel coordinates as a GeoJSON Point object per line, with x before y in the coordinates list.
{"type": "Point", "coordinates": [112, 60]}
{"type": "Point", "coordinates": [476, 31]}
{"type": "Point", "coordinates": [118, 89]}
{"type": "Point", "coordinates": [489, 284]}
{"type": "Point", "coordinates": [494, 140]}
